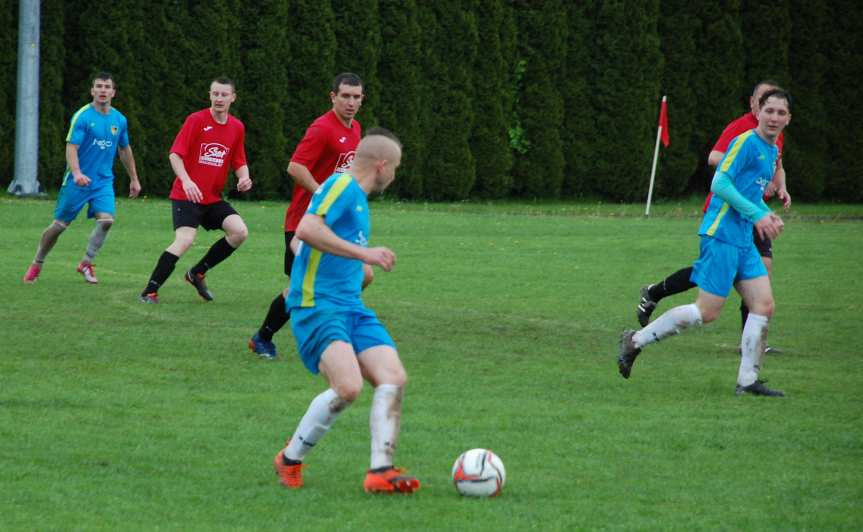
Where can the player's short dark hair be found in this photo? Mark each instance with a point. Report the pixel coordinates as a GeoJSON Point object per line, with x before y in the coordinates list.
{"type": "Point", "coordinates": [104, 76]}
{"type": "Point", "coordinates": [225, 80]}
{"type": "Point", "coordinates": [776, 93]}
{"type": "Point", "coordinates": [346, 78]}
{"type": "Point", "coordinates": [769, 82]}
{"type": "Point", "coordinates": [383, 132]}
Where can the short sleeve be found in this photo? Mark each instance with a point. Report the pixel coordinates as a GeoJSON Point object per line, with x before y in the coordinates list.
{"type": "Point", "coordinates": [311, 146]}
{"type": "Point", "coordinates": [238, 159]}
{"type": "Point", "coordinates": [77, 129]}
{"type": "Point", "coordinates": [332, 197]}
{"type": "Point", "coordinates": [124, 133]}
{"type": "Point", "coordinates": [184, 137]}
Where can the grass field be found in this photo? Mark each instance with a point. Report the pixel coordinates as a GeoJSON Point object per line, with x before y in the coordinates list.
{"type": "Point", "coordinates": [121, 416]}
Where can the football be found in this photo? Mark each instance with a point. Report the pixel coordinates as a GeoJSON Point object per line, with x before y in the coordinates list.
{"type": "Point", "coordinates": [478, 473]}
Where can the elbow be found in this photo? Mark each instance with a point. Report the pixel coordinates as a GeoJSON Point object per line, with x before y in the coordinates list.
{"type": "Point", "coordinates": [302, 231]}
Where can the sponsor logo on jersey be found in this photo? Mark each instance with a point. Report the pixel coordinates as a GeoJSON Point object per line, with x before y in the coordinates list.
{"type": "Point", "coordinates": [213, 154]}
{"type": "Point", "coordinates": [103, 144]}
{"type": "Point", "coordinates": [344, 162]}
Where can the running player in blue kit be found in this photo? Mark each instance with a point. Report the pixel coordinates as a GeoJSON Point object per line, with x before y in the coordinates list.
{"type": "Point", "coordinates": [336, 334]}
{"type": "Point", "coordinates": [728, 254]}
{"type": "Point", "coordinates": [97, 133]}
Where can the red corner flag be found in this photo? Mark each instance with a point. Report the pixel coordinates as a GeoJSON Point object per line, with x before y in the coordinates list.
{"type": "Point", "coordinates": [663, 123]}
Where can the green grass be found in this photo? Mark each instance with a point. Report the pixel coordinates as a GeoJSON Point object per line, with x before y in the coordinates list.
{"type": "Point", "coordinates": [116, 415]}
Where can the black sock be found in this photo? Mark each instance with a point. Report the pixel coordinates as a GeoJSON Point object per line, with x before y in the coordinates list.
{"type": "Point", "coordinates": [744, 314]}
{"type": "Point", "coordinates": [164, 267]}
{"type": "Point", "coordinates": [380, 469]}
{"type": "Point", "coordinates": [675, 283]}
{"type": "Point", "coordinates": [218, 252]}
{"type": "Point", "coordinates": [288, 461]}
{"type": "Point", "coordinates": [276, 318]}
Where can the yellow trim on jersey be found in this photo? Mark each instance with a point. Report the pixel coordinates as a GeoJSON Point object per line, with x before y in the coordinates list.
{"type": "Point", "coordinates": [722, 211]}
{"type": "Point", "coordinates": [315, 255]}
{"type": "Point", "coordinates": [74, 120]}
{"type": "Point", "coordinates": [333, 194]}
{"type": "Point", "coordinates": [309, 278]}
{"type": "Point", "coordinates": [731, 155]}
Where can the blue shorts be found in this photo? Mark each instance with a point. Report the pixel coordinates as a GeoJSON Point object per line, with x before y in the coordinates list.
{"type": "Point", "coordinates": [720, 265]}
{"type": "Point", "coordinates": [100, 195]}
{"type": "Point", "coordinates": [315, 329]}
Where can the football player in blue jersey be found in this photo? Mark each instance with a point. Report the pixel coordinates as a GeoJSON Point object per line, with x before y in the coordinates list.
{"type": "Point", "coordinates": [336, 334]}
{"type": "Point", "coordinates": [97, 133]}
{"type": "Point", "coordinates": [728, 255]}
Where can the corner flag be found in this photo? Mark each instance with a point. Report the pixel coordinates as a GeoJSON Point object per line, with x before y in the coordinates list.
{"type": "Point", "coordinates": [663, 123]}
{"type": "Point", "coordinates": [661, 135]}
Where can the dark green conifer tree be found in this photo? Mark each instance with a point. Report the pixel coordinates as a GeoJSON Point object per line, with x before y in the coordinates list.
{"type": "Point", "coordinates": [400, 87]}
{"type": "Point", "coordinates": [539, 162]}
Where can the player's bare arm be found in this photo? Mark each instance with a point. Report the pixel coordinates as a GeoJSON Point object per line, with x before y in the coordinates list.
{"type": "Point", "coordinates": [74, 166]}
{"type": "Point", "coordinates": [302, 176]}
{"type": "Point", "coordinates": [244, 182]}
{"type": "Point", "coordinates": [715, 157]}
{"type": "Point", "coordinates": [128, 160]}
{"type": "Point", "coordinates": [193, 193]}
{"type": "Point", "coordinates": [314, 232]}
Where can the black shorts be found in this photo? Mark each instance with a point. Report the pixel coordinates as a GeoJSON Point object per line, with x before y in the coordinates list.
{"type": "Point", "coordinates": [188, 214]}
{"type": "Point", "coordinates": [764, 245]}
{"type": "Point", "coordinates": [289, 255]}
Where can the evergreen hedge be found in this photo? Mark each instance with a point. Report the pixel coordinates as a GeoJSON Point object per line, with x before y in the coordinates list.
{"type": "Point", "coordinates": [491, 98]}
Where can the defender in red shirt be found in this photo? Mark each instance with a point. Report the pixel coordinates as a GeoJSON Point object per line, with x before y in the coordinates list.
{"type": "Point", "coordinates": [327, 148]}
{"type": "Point", "coordinates": [210, 142]}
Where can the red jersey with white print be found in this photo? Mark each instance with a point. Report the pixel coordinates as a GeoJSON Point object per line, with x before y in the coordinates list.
{"type": "Point", "coordinates": [209, 149]}
{"type": "Point", "coordinates": [327, 148]}
{"type": "Point", "coordinates": [738, 127]}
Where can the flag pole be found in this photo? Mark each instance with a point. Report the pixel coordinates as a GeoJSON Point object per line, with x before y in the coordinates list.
{"type": "Point", "coordinates": [653, 171]}
{"type": "Point", "coordinates": [655, 157]}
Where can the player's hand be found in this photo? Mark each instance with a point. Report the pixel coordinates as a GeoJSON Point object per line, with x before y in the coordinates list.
{"type": "Point", "coordinates": [81, 180]}
{"type": "Point", "coordinates": [783, 195]}
{"type": "Point", "coordinates": [193, 193]}
{"type": "Point", "coordinates": [244, 184]}
{"type": "Point", "coordinates": [381, 256]}
{"type": "Point", "coordinates": [134, 188]}
{"type": "Point", "coordinates": [769, 226]}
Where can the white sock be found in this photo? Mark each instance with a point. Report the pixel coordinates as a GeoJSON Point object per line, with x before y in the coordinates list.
{"type": "Point", "coordinates": [97, 239]}
{"type": "Point", "coordinates": [49, 238]}
{"type": "Point", "coordinates": [384, 423]}
{"type": "Point", "coordinates": [671, 322]}
{"type": "Point", "coordinates": [752, 345]}
{"type": "Point", "coordinates": [322, 412]}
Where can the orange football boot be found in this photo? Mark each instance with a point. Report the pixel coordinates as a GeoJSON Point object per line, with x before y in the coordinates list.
{"type": "Point", "coordinates": [392, 480]}
{"type": "Point", "coordinates": [290, 475]}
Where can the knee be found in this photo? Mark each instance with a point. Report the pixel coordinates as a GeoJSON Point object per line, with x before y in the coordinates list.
{"type": "Point", "coordinates": [105, 223]}
{"type": "Point", "coordinates": [56, 227]}
{"type": "Point", "coordinates": [708, 314]}
{"type": "Point", "coordinates": [764, 308]}
{"type": "Point", "coordinates": [395, 375]}
{"type": "Point", "coordinates": [349, 390]}
{"type": "Point", "coordinates": [237, 236]}
{"type": "Point", "coordinates": [181, 244]}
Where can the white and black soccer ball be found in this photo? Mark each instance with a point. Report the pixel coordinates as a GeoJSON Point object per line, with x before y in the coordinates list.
{"type": "Point", "coordinates": [478, 473]}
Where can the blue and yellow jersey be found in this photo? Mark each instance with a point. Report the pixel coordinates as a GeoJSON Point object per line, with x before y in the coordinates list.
{"type": "Point", "coordinates": [749, 163]}
{"type": "Point", "coordinates": [321, 279]}
{"type": "Point", "coordinates": [97, 136]}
